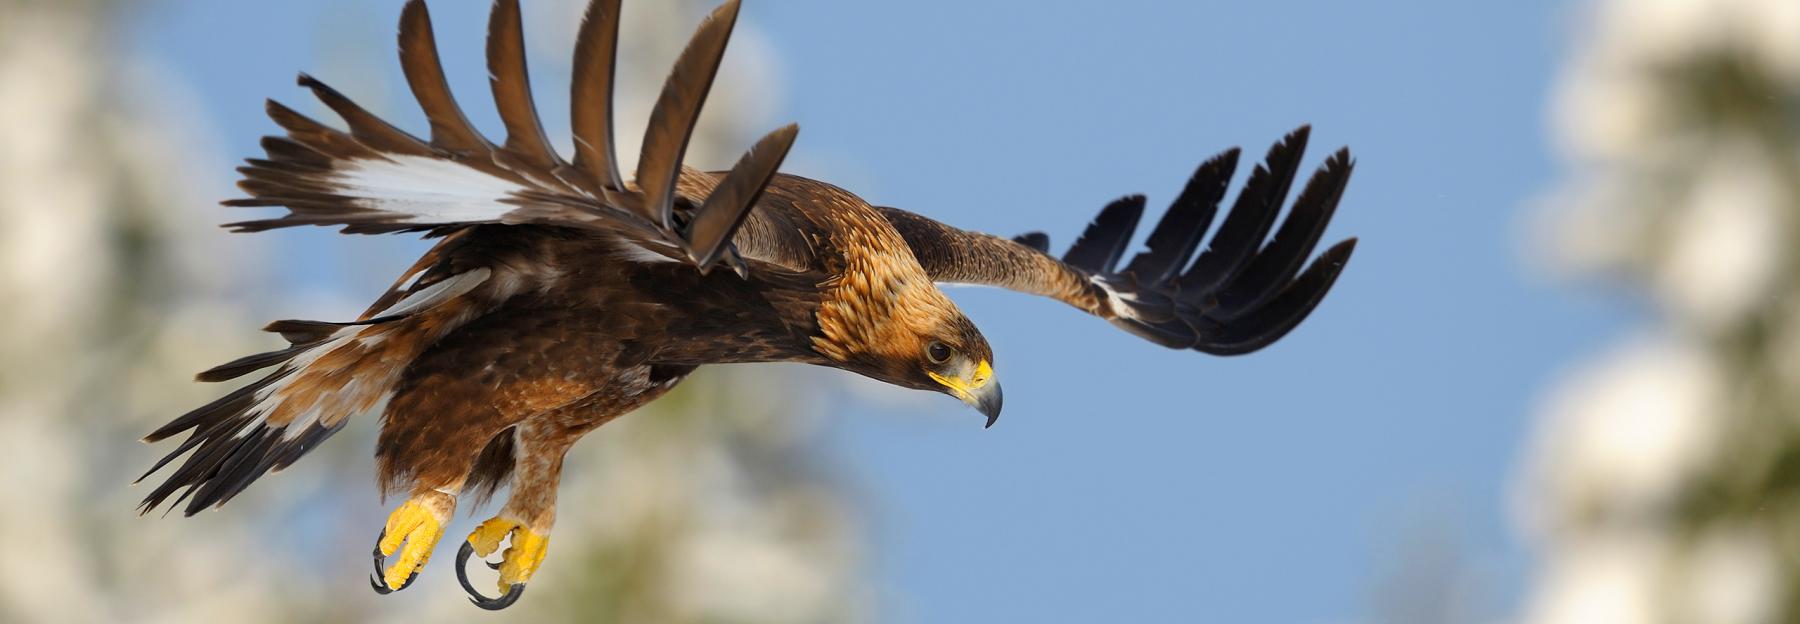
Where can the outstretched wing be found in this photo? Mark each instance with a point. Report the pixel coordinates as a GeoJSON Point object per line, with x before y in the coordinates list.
{"type": "Point", "coordinates": [377, 178]}
{"type": "Point", "coordinates": [1245, 291]}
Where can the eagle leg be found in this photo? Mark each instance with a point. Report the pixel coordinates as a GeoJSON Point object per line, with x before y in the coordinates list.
{"type": "Point", "coordinates": [529, 514]}
{"type": "Point", "coordinates": [411, 531]}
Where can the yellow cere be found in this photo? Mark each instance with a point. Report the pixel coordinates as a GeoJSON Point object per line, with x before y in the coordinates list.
{"type": "Point", "coordinates": [983, 374]}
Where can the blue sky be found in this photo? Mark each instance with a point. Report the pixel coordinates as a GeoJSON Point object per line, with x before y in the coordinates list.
{"type": "Point", "coordinates": [1127, 482]}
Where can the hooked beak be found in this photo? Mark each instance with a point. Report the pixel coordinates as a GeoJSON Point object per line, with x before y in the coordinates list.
{"type": "Point", "coordinates": [978, 389]}
{"type": "Point", "coordinates": [987, 400]}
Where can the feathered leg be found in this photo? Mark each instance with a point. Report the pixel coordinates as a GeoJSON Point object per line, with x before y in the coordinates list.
{"type": "Point", "coordinates": [539, 447]}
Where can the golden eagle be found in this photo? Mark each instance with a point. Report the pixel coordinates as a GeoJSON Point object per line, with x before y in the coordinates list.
{"type": "Point", "coordinates": [562, 294]}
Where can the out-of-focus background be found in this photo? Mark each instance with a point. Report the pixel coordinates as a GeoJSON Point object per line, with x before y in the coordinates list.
{"type": "Point", "coordinates": [1560, 383]}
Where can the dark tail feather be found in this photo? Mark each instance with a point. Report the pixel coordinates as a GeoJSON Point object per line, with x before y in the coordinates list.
{"type": "Point", "coordinates": [229, 443]}
{"type": "Point", "coordinates": [212, 413]}
{"type": "Point", "coordinates": [249, 364]}
{"type": "Point", "coordinates": [298, 332]}
{"type": "Point", "coordinates": [230, 450]}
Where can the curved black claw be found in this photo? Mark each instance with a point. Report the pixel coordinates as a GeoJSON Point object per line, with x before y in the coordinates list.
{"type": "Point", "coordinates": [381, 570]}
{"type": "Point", "coordinates": [462, 576]}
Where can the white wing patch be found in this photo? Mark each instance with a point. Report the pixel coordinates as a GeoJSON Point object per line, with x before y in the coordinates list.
{"type": "Point", "coordinates": [634, 253]}
{"type": "Point", "coordinates": [434, 294]}
{"type": "Point", "coordinates": [1123, 311]}
{"type": "Point", "coordinates": [425, 190]}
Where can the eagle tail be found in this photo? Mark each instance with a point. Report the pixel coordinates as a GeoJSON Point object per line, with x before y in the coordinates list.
{"type": "Point", "coordinates": [266, 425]}
{"type": "Point", "coordinates": [327, 373]}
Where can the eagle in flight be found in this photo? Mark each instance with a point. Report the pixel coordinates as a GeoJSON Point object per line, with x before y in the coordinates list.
{"type": "Point", "coordinates": [562, 294]}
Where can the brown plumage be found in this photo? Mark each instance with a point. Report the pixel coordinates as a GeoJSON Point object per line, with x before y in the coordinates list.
{"type": "Point", "coordinates": [561, 296]}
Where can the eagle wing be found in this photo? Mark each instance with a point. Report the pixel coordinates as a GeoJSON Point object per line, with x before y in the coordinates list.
{"type": "Point", "coordinates": [1241, 294]}
{"type": "Point", "coordinates": [377, 178]}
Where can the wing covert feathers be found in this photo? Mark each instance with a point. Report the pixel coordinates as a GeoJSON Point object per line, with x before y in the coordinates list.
{"type": "Point", "coordinates": [377, 178]}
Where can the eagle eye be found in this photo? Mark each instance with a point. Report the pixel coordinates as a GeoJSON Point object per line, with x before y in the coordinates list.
{"type": "Point", "coordinates": [937, 352]}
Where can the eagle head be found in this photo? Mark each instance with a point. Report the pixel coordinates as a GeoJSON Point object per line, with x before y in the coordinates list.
{"type": "Point", "coordinates": [955, 359]}
{"type": "Point", "coordinates": [895, 325]}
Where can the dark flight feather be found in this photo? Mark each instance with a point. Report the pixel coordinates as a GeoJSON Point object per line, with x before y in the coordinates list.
{"type": "Point", "coordinates": [365, 127]}
{"type": "Point", "coordinates": [450, 129]}
{"type": "Point", "coordinates": [678, 110]}
{"type": "Point", "coordinates": [729, 203]}
{"type": "Point", "coordinates": [1255, 211]}
{"type": "Point", "coordinates": [1100, 246]}
{"type": "Point", "coordinates": [1285, 254]}
{"type": "Point", "coordinates": [591, 93]}
{"type": "Point", "coordinates": [1035, 240]}
{"type": "Point", "coordinates": [289, 154]}
{"type": "Point", "coordinates": [511, 82]}
{"type": "Point", "coordinates": [1280, 315]}
{"type": "Point", "coordinates": [1179, 231]}
{"type": "Point", "coordinates": [320, 138]}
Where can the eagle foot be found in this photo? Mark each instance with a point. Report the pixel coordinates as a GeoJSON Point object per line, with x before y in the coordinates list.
{"type": "Point", "coordinates": [516, 565]}
{"type": "Point", "coordinates": [412, 531]}
{"type": "Point", "coordinates": [375, 580]}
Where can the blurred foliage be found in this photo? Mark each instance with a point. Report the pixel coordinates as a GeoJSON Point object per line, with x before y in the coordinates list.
{"type": "Point", "coordinates": [1755, 481]}
{"type": "Point", "coordinates": [1667, 485]}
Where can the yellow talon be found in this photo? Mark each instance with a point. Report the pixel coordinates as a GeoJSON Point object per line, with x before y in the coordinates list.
{"type": "Point", "coordinates": [418, 524]}
{"type": "Point", "coordinates": [521, 559]}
